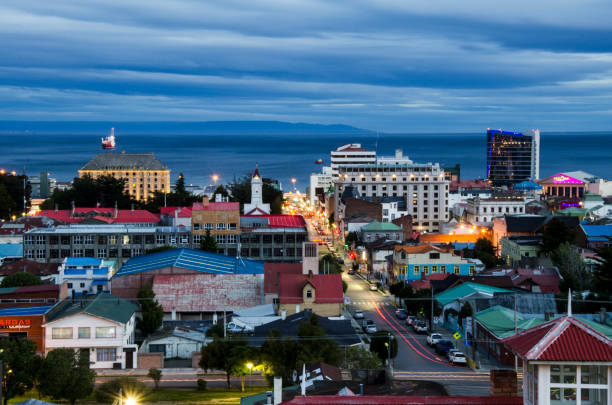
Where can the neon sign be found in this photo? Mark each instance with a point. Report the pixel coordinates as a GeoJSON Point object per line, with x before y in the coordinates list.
{"type": "Point", "coordinates": [14, 323]}
{"type": "Point", "coordinates": [563, 179]}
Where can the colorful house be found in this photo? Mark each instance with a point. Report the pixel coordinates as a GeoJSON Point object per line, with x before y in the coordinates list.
{"type": "Point", "coordinates": [413, 262]}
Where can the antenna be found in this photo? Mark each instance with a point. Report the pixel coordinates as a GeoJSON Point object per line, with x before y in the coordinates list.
{"type": "Point", "coordinates": [569, 302]}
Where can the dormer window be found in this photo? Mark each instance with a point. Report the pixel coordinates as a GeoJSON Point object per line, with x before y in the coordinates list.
{"type": "Point", "coordinates": [308, 293]}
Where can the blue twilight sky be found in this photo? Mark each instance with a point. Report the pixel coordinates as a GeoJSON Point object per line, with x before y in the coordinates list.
{"type": "Point", "coordinates": [389, 65]}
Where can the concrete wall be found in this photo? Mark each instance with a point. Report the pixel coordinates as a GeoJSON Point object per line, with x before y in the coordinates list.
{"type": "Point", "coordinates": [195, 359]}
{"type": "Point", "coordinates": [325, 310]}
{"type": "Point", "coordinates": [150, 360]}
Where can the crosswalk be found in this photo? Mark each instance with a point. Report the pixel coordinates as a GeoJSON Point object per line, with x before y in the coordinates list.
{"type": "Point", "coordinates": [372, 304]}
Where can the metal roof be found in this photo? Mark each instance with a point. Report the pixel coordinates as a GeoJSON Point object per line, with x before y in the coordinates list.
{"type": "Point", "coordinates": [465, 290]}
{"type": "Point", "coordinates": [500, 321]}
{"type": "Point", "coordinates": [107, 229]}
{"type": "Point", "coordinates": [25, 311]}
{"type": "Point", "coordinates": [102, 305]}
{"type": "Point", "coordinates": [402, 400]}
{"type": "Point", "coordinates": [124, 162]}
{"type": "Point", "coordinates": [82, 261]}
{"type": "Point", "coordinates": [191, 259]}
{"type": "Point", "coordinates": [11, 249]}
{"type": "Point", "coordinates": [376, 226]}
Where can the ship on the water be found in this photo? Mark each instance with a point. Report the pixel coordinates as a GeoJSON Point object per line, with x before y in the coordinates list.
{"type": "Point", "coordinates": [109, 141]}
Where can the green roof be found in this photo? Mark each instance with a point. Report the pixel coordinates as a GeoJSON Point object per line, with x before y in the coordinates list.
{"type": "Point", "coordinates": [592, 197]}
{"type": "Point", "coordinates": [599, 327]}
{"type": "Point", "coordinates": [103, 305]}
{"type": "Point", "coordinates": [464, 290]}
{"type": "Point", "coordinates": [500, 321]}
{"type": "Point", "coordinates": [376, 226]}
{"type": "Point", "coordinates": [7, 290]}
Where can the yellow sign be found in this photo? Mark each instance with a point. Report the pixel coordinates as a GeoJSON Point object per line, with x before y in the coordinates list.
{"type": "Point", "coordinates": [457, 335]}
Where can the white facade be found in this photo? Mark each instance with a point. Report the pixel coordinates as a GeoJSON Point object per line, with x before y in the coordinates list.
{"type": "Point", "coordinates": [257, 206]}
{"type": "Point", "coordinates": [350, 154]}
{"type": "Point", "coordinates": [481, 211]}
{"type": "Point", "coordinates": [422, 185]}
{"type": "Point", "coordinates": [321, 180]}
{"type": "Point", "coordinates": [179, 343]}
{"type": "Point", "coordinates": [106, 340]}
{"type": "Point", "coordinates": [85, 275]}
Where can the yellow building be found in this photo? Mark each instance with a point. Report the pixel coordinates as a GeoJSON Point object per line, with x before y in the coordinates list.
{"type": "Point", "coordinates": [221, 218]}
{"type": "Point", "coordinates": [145, 174]}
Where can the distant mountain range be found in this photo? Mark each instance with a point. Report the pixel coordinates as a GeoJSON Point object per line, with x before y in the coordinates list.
{"type": "Point", "coordinates": [175, 127]}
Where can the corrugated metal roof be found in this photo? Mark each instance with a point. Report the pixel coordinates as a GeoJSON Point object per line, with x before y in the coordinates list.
{"type": "Point", "coordinates": [500, 321]}
{"type": "Point", "coordinates": [103, 305]}
{"type": "Point", "coordinates": [216, 206]}
{"type": "Point", "coordinates": [82, 261]}
{"type": "Point", "coordinates": [191, 259]}
{"type": "Point", "coordinates": [376, 226]}
{"type": "Point", "coordinates": [11, 250]}
{"type": "Point", "coordinates": [465, 290]}
{"type": "Point", "coordinates": [592, 231]}
{"type": "Point", "coordinates": [25, 311]}
{"type": "Point", "coordinates": [562, 339]}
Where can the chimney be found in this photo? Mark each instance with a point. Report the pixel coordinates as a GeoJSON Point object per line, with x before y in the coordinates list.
{"type": "Point", "coordinates": [297, 308]}
{"type": "Point", "coordinates": [205, 201]}
{"type": "Point", "coordinates": [602, 315]}
{"type": "Point", "coordinates": [132, 208]}
{"type": "Point", "coordinates": [278, 390]}
{"type": "Point", "coordinates": [116, 211]}
{"type": "Point", "coordinates": [283, 314]}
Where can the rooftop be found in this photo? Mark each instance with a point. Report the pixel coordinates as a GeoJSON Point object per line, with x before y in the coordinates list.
{"type": "Point", "coordinates": [11, 250]}
{"type": "Point", "coordinates": [273, 221]}
{"type": "Point", "coordinates": [25, 311]}
{"type": "Point", "coordinates": [106, 215]}
{"type": "Point", "coordinates": [124, 162]}
{"type": "Point", "coordinates": [29, 266]}
{"type": "Point", "coordinates": [376, 226]}
{"type": "Point", "coordinates": [181, 212]}
{"type": "Point", "coordinates": [327, 288]}
{"type": "Point", "coordinates": [102, 305]}
{"type": "Point", "coordinates": [216, 206]}
{"type": "Point", "coordinates": [417, 249]}
{"type": "Point", "coordinates": [82, 261]}
{"type": "Point", "coordinates": [464, 290]}
{"type": "Point", "coordinates": [401, 400]}
{"type": "Point", "coordinates": [78, 229]}
{"type": "Point", "coordinates": [500, 321]}
{"type": "Point", "coordinates": [191, 259]}
{"type": "Point", "coordinates": [272, 272]}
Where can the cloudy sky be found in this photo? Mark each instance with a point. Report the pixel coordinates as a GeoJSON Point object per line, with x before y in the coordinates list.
{"type": "Point", "coordinates": [400, 66]}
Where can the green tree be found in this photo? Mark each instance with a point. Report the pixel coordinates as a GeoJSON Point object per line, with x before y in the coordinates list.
{"type": "Point", "coordinates": [485, 252]}
{"type": "Point", "coordinates": [344, 286]}
{"type": "Point", "coordinates": [464, 312]}
{"type": "Point", "coordinates": [279, 356]}
{"type": "Point", "coordinates": [7, 205]}
{"type": "Point", "coordinates": [155, 374]}
{"type": "Point", "coordinates": [65, 374]}
{"type": "Point", "coordinates": [602, 273]}
{"type": "Point", "coordinates": [555, 233]}
{"type": "Point", "coordinates": [571, 267]}
{"type": "Point", "coordinates": [14, 185]}
{"type": "Point", "coordinates": [329, 262]}
{"type": "Point", "coordinates": [383, 343]}
{"type": "Point", "coordinates": [351, 238]}
{"type": "Point", "coordinates": [19, 361]}
{"type": "Point", "coordinates": [240, 189]}
{"type": "Point", "coordinates": [227, 355]}
{"type": "Point", "coordinates": [20, 280]}
{"type": "Point", "coordinates": [104, 191]}
{"type": "Point", "coordinates": [358, 358]}
{"type": "Point", "coordinates": [152, 311]}
{"type": "Point", "coordinates": [208, 243]}
{"type": "Point", "coordinates": [315, 346]}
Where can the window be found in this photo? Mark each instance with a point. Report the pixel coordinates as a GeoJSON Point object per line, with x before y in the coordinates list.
{"type": "Point", "coordinates": [220, 238]}
{"type": "Point", "coordinates": [278, 238]}
{"type": "Point", "coordinates": [101, 253]}
{"type": "Point", "coordinates": [416, 270]}
{"type": "Point", "coordinates": [208, 226]}
{"type": "Point", "coordinates": [196, 227]}
{"type": "Point", "coordinates": [471, 268]}
{"type": "Point", "coordinates": [105, 332]}
{"type": "Point", "coordinates": [157, 349]}
{"type": "Point", "coordinates": [40, 254]}
{"type": "Point", "coordinates": [82, 285]}
{"type": "Point", "coordinates": [61, 333]}
{"type": "Point", "coordinates": [456, 269]}
{"type": "Point", "coordinates": [426, 269]}
{"type": "Point", "coordinates": [160, 239]}
{"type": "Point", "coordinates": [69, 285]}
{"type": "Point", "coordinates": [84, 333]}
{"type": "Point", "coordinates": [231, 226]}
{"type": "Point", "coordinates": [89, 239]}
{"type": "Point", "coordinates": [172, 240]}
{"type": "Point", "coordinates": [197, 238]}
{"type": "Point", "coordinates": [220, 226]}
{"type": "Point", "coordinates": [434, 269]}
{"type": "Point", "coordinates": [126, 239]}
{"type": "Point", "coordinates": [435, 255]}
{"type": "Point", "coordinates": [184, 239]}
{"type": "Point", "coordinates": [568, 382]}
{"type": "Point", "coordinates": [77, 239]}
{"type": "Point", "coordinates": [106, 354]}
{"type": "Point", "coordinates": [308, 293]}
{"type": "Point", "coordinates": [77, 252]}
{"type": "Point", "coordinates": [443, 269]}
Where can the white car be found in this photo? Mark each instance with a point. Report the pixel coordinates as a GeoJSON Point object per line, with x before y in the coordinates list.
{"type": "Point", "coordinates": [458, 358]}
{"type": "Point", "coordinates": [433, 339]}
{"type": "Point", "coordinates": [233, 328]}
{"type": "Point", "coordinates": [450, 353]}
{"type": "Point", "coordinates": [373, 287]}
{"type": "Point", "coordinates": [358, 314]}
{"type": "Point", "coordinates": [369, 326]}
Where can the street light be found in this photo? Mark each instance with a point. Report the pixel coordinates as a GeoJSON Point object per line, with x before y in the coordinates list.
{"type": "Point", "coordinates": [215, 178]}
{"type": "Point", "coordinates": [250, 367]}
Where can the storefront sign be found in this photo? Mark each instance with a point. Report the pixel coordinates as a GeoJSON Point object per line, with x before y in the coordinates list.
{"type": "Point", "coordinates": [563, 179]}
{"type": "Point", "coordinates": [14, 323]}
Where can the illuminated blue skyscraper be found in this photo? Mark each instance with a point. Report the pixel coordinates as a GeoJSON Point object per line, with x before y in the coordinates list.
{"type": "Point", "coordinates": [512, 157]}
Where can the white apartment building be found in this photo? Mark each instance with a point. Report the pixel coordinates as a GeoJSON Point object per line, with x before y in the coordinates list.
{"type": "Point", "coordinates": [422, 185]}
{"type": "Point", "coordinates": [102, 328]}
{"type": "Point", "coordinates": [481, 211]}
{"type": "Point", "coordinates": [319, 184]}
{"type": "Point", "coordinates": [350, 154]}
{"type": "Point", "coordinates": [85, 275]}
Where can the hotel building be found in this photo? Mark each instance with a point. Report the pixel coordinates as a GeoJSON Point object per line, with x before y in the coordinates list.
{"type": "Point", "coordinates": [512, 157]}
{"type": "Point", "coordinates": [145, 174]}
{"type": "Point", "coordinates": [350, 154]}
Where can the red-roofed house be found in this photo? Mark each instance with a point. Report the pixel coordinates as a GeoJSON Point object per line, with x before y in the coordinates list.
{"type": "Point", "coordinates": [99, 215]}
{"type": "Point", "coordinates": [272, 272]}
{"type": "Point", "coordinates": [321, 293]}
{"type": "Point", "coordinates": [566, 360]}
{"type": "Point", "coordinates": [424, 282]}
{"type": "Point", "coordinates": [221, 218]}
{"type": "Point", "coordinates": [176, 216]}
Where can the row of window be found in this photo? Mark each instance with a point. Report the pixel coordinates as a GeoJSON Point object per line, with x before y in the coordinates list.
{"type": "Point", "coordinates": [102, 332]}
{"type": "Point", "coordinates": [500, 209]}
{"type": "Point", "coordinates": [104, 240]}
{"type": "Point", "coordinates": [220, 226]}
{"type": "Point", "coordinates": [417, 269]}
{"type": "Point", "coordinates": [270, 252]}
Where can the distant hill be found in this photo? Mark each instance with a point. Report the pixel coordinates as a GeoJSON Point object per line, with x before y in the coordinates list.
{"type": "Point", "coordinates": [175, 127]}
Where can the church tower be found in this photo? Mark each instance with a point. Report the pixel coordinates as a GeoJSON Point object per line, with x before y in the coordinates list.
{"type": "Point", "coordinates": [257, 206]}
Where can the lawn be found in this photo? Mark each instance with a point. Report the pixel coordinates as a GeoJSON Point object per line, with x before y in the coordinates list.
{"type": "Point", "coordinates": [174, 396]}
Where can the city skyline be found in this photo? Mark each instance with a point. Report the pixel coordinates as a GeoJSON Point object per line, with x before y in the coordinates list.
{"type": "Point", "coordinates": [383, 65]}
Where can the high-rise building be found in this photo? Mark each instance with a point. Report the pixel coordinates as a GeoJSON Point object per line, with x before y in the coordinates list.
{"type": "Point", "coordinates": [350, 154]}
{"type": "Point", "coordinates": [144, 173]}
{"type": "Point", "coordinates": [512, 157]}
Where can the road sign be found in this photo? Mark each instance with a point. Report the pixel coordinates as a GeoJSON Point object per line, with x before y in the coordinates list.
{"type": "Point", "coordinates": [457, 335]}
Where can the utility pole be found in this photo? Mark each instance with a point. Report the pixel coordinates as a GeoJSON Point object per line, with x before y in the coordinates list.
{"type": "Point", "coordinates": [431, 329]}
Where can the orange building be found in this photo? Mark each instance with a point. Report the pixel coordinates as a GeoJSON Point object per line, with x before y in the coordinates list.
{"type": "Point", "coordinates": [221, 218]}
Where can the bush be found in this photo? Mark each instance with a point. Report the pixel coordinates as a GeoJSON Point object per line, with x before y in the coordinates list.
{"type": "Point", "coordinates": [201, 385]}
{"type": "Point", "coordinates": [155, 374]}
{"type": "Point", "coordinates": [108, 392]}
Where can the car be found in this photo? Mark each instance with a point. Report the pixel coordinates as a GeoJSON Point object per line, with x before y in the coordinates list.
{"type": "Point", "coordinates": [410, 319]}
{"type": "Point", "coordinates": [358, 314]}
{"type": "Point", "coordinates": [340, 261]}
{"type": "Point", "coordinates": [443, 346]}
{"type": "Point", "coordinates": [401, 313]}
{"type": "Point", "coordinates": [450, 352]}
{"type": "Point", "coordinates": [233, 328]}
{"type": "Point", "coordinates": [458, 358]}
{"type": "Point", "coordinates": [433, 339]}
{"type": "Point", "coordinates": [368, 326]}
{"type": "Point", "coordinates": [373, 287]}
{"type": "Point", "coordinates": [421, 327]}
{"type": "Point", "coordinates": [351, 272]}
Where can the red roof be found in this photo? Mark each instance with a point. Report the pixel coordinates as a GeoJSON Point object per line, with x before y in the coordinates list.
{"type": "Point", "coordinates": [328, 288]}
{"type": "Point", "coordinates": [281, 221]}
{"type": "Point", "coordinates": [423, 283]}
{"type": "Point", "coordinates": [216, 206]}
{"type": "Point", "coordinates": [183, 212]}
{"type": "Point", "coordinates": [468, 185]}
{"type": "Point", "coordinates": [29, 266]}
{"type": "Point", "coordinates": [256, 172]}
{"type": "Point", "coordinates": [562, 339]}
{"type": "Point", "coordinates": [103, 214]}
{"type": "Point", "coordinates": [401, 400]}
{"type": "Point", "coordinates": [418, 249]}
{"type": "Point", "coordinates": [272, 273]}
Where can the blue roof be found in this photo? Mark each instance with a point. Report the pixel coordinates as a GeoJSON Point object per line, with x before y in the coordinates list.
{"type": "Point", "coordinates": [527, 185]}
{"type": "Point", "coordinates": [75, 272]}
{"type": "Point", "coordinates": [11, 249]}
{"type": "Point", "coordinates": [191, 259]}
{"type": "Point", "coordinates": [83, 261]}
{"type": "Point", "coordinates": [601, 232]}
{"type": "Point", "coordinates": [25, 311]}
{"type": "Point", "coordinates": [101, 271]}
{"type": "Point", "coordinates": [99, 282]}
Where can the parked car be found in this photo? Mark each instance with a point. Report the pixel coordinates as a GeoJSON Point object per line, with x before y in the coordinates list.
{"type": "Point", "coordinates": [401, 313]}
{"type": "Point", "coordinates": [351, 272]}
{"type": "Point", "coordinates": [341, 261]}
{"type": "Point", "coordinates": [233, 328]}
{"type": "Point", "coordinates": [433, 339]}
{"type": "Point", "coordinates": [450, 352]}
{"type": "Point", "coordinates": [368, 326]}
{"type": "Point", "coordinates": [444, 346]}
{"type": "Point", "coordinates": [420, 327]}
{"type": "Point", "coordinates": [373, 287]}
{"type": "Point", "coordinates": [411, 319]}
{"type": "Point", "coordinates": [358, 314]}
{"type": "Point", "coordinates": [458, 358]}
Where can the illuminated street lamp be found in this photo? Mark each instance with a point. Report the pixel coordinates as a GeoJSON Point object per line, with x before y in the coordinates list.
{"type": "Point", "coordinates": [250, 367]}
{"type": "Point", "coordinates": [215, 178]}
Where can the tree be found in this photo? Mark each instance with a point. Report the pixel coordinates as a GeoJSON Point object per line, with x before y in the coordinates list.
{"type": "Point", "coordinates": [383, 343]}
{"type": "Point", "coordinates": [351, 238]}
{"type": "Point", "coordinates": [152, 311]}
{"type": "Point", "coordinates": [315, 346]}
{"type": "Point", "coordinates": [555, 233]}
{"type": "Point", "coordinates": [103, 191]}
{"type": "Point", "coordinates": [7, 205]}
{"type": "Point", "coordinates": [485, 252]}
{"type": "Point", "coordinates": [65, 374]}
{"type": "Point", "coordinates": [358, 357]}
{"type": "Point", "coordinates": [329, 262]}
{"type": "Point", "coordinates": [155, 374]}
{"type": "Point", "coordinates": [344, 286]}
{"type": "Point", "coordinates": [20, 280]}
{"type": "Point", "coordinates": [14, 186]}
{"type": "Point", "coordinates": [208, 243]}
{"type": "Point", "coordinates": [602, 273]}
{"type": "Point", "coordinates": [19, 361]}
{"type": "Point", "coordinates": [227, 355]}
{"type": "Point", "coordinates": [571, 267]}
{"type": "Point", "coordinates": [464, 312]}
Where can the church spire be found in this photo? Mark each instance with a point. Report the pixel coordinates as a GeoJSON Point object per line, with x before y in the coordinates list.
{"type": "Point", "coordinates": [256, 172]}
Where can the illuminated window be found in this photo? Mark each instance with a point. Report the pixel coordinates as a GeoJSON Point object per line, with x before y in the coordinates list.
{"type": "Point", "coordinates": [471, 268]}
{"type": "Point", "coordinates": [416, 270]}
{"type": "Point", "coordinates": [456, 269]}
{"type": "Point", "coordinates": [443, 269]}
{"type": "Point", "coordinates": [61, 333]}
{"type": "Point", "coordinates": [434, 269]}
